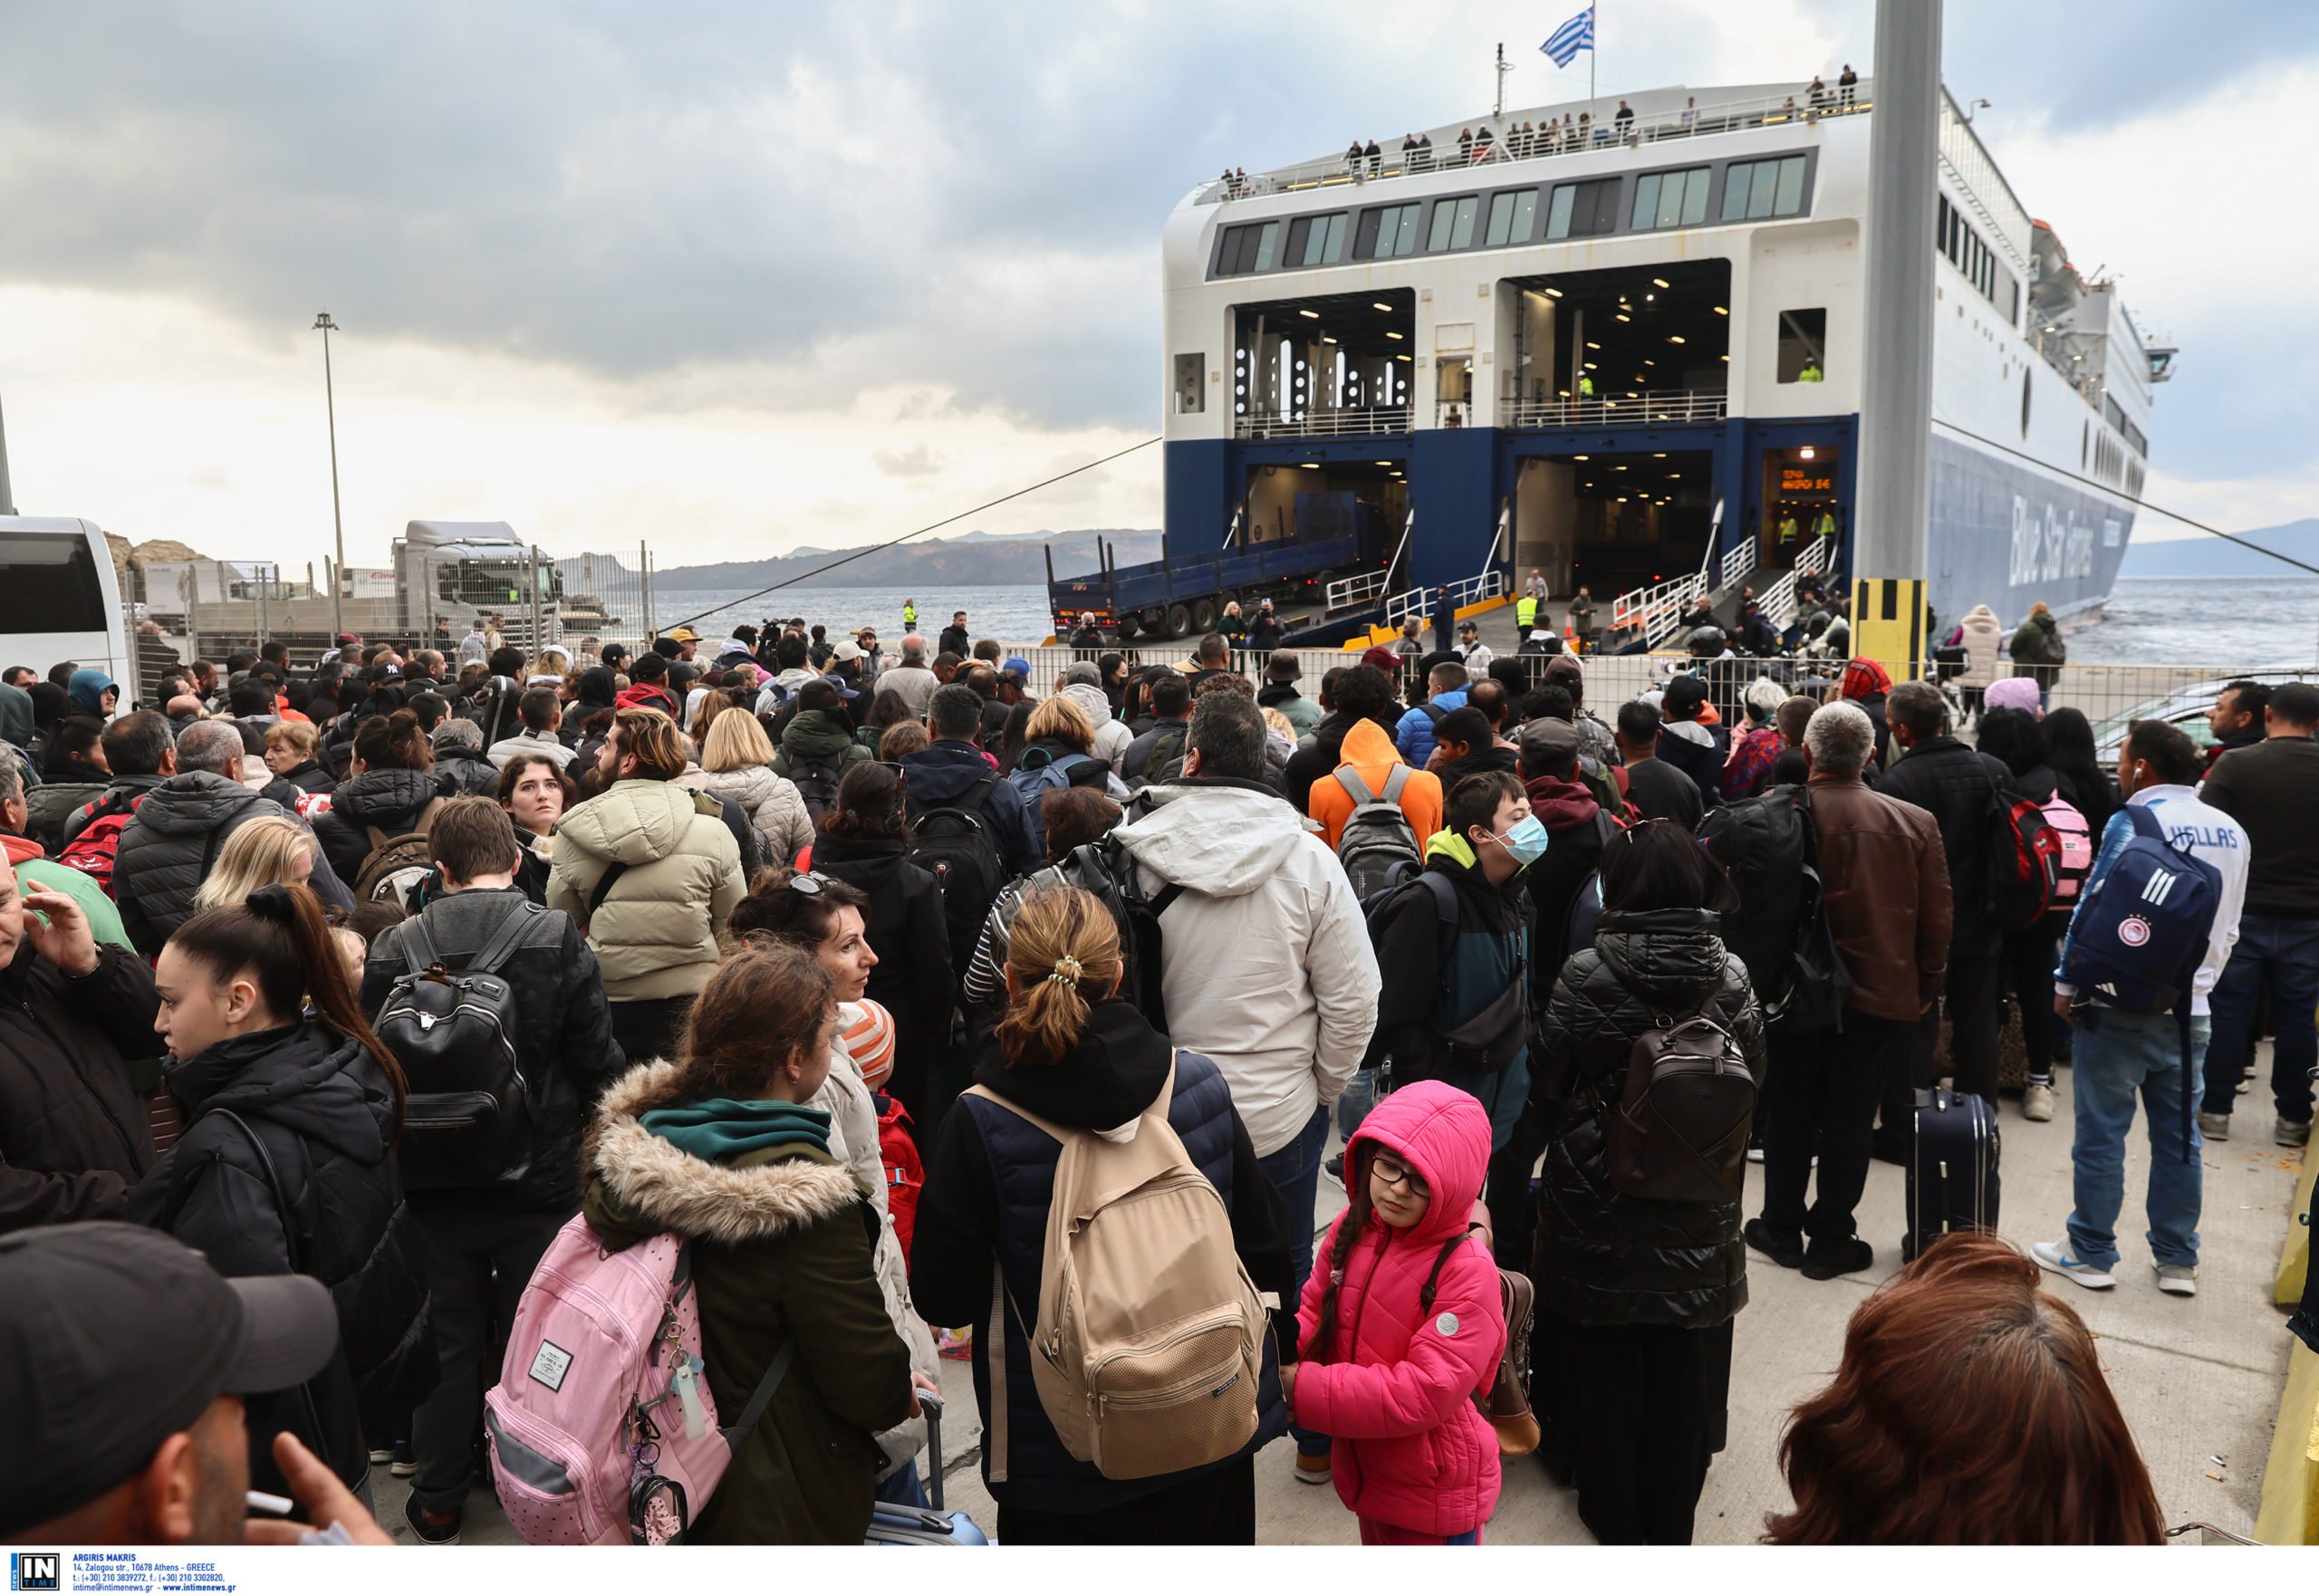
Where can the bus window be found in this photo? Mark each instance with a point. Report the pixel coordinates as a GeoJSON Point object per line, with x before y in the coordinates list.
{"type": "Point", "coordinates": [52, 586]}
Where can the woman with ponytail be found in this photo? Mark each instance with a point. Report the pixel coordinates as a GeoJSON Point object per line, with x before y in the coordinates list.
{"type": "Point", "coordinates": [1069, 1051]}
{"type": "Point", "coordinates": [291, 1107]}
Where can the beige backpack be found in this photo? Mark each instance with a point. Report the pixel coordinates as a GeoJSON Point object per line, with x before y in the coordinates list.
{"type": "Point", "coordinates": [1150, 1343]}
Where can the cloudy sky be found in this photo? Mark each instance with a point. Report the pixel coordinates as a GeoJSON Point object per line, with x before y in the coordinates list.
{"type": "Point", "coordinates": [737, 277]}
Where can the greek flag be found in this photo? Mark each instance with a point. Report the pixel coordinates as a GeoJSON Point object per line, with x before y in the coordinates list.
{"type": "Point", "coordinates": [1572, 37]}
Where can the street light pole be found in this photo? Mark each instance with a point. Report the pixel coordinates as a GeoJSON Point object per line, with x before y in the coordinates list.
{"type": "Point", "coordinates": [325, 326]}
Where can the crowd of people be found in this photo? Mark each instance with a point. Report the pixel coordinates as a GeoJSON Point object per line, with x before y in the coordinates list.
{"type": "Point", "coordinates": [846, 969]}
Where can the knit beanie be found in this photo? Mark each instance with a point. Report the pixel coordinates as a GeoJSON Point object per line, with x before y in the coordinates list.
{"type": "Point", "coordinates": [866, 1031]}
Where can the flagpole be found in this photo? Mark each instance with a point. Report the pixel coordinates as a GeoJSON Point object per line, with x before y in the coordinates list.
{"type": "Point", "coordinates": [1593, 31]}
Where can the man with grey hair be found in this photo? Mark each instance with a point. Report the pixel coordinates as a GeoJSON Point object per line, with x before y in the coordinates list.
{"type": "Point", "coordinates": [911, 677]}
{"type": "Point", "coordinates": [173, 839]}
{"type": "Point", "coordinates": [1886, 881]}
{"type": "Point", "coordinates": [460, 760]}
{"type": "Point", "coordinates": [1265, 959]}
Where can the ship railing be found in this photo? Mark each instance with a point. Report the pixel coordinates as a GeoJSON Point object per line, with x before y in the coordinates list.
{"type": "Point", "coordinates": [1655, 610]}
{"type": "Point", "coordinates": [1352, 592]}
{"type": "Point", "coordinates": [1475, 589]}
{"type": "Point", "coordinates": [1411, 602]}
{"type": "Point", "coordinates": [1738, 560]}
{"type": "Point", "coordinates": [1633, 409]}
{"type": "Point", "coordinates": [1779, 599]}
{"type": "Point", "coordinates": [1814, 558]}
{"type": "Point", "coordinates": [1322, 423]}
{"type": "Point", "coordinates": [1508, 147]}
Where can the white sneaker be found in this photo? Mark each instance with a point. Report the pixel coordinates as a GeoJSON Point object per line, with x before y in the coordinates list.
{"type": "Point", "coordinates": [2214, 1126]}
{"type": "Point", "coordinates": [2178, 1279]}
{"type": "Point", "coordinates": [1754, 1155]}
{"type": "Point", "coordinates": [2038, 1102]}
{"type": "Point", "coordinates": [2055, 1255]}
{"type": "Point", "coordinates": [2292, 1132]}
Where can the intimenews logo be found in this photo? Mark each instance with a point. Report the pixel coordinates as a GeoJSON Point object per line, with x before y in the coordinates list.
{"type": "Point", "coordinates": [36, 1570]}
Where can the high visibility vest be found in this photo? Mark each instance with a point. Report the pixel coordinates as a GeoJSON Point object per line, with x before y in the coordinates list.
{"type": "Point", "coordinates": [1526, 611]}
{"type": "Point", "coordinates": [1787, 529]}
{"type": "Point", "coordinates": [1825, 526]}
{"type": "Point", "coordinates": [1809, 374]}
{"type": "Point", "coordinates": [910, 615]}
{"type": "Point", "coordinates": [1586, 388]}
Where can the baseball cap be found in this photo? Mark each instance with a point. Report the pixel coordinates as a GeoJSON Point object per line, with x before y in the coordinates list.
{"type": "Point", "coordinates": [347, 640]}
{"type": "Point", "coordinates": [1563, 670]}
{"type": "Point", "coordinates": [115, 1337]}
{"type": "Point", "coordinates": [1018, 665]}
{"type": "Point", "coordinates": [682, 634]}
{"type": "Point", "coordinates": [1684, 696]}
{"type": "Point", "coordinates": [1469, 624]}
{"type": "Point", "coordinates": [1551, 735]}
{"type": "Point", "coordinates": [1384, 660]}
{"type": "Point", "coordinates": [847, 652]}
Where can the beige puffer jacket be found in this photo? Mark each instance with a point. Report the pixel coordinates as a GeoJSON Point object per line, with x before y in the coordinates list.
{"type": "Point", "coordinates": [774, 803]}
{"type": "Point", "coordinates": [1982, 639]}
{"type": "Point", "coordinates": [656, 934]}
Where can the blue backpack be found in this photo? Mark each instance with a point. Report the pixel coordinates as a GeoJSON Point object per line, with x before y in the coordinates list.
{"type": "Point", "coordinates": [2141, 933]}
{"type": "Point", "coordinates": [1047, 774]}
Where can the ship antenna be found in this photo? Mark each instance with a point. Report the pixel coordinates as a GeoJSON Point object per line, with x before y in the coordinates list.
{"type": "Point", "coordinates": [7, 495]}
{"type": "Point", "coordinates": [1497, 111]}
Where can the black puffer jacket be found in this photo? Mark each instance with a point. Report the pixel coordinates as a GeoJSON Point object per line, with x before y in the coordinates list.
{"type": "Point", "coordinates": [73, 1136]}
{"type": "Point", "coordinates": [1602, 1257]}
{"type": "Point", "coordinates": [389, 800]}
{"type": "Point", "coordinates": [1954, 782]}
{"type": "Point", "coordinates": [325, 1115]}
{"type": "Point", "coordinates": [169, 846]}
{"type": "Point", "coordinates": [564, 1037]}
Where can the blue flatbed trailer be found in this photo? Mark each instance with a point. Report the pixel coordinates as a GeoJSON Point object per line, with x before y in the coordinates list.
{"type": "Point", "coordinates": [1168, 599]}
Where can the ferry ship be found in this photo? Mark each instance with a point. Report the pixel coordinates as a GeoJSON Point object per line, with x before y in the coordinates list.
{"type": "Point", "coordinates": [1616, 342]}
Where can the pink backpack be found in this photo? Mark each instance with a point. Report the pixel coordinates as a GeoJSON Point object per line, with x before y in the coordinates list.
{"type": "Point", "coordinates": [602, 1428]}
{"type": "Point", "coordinates": [2077, 850]}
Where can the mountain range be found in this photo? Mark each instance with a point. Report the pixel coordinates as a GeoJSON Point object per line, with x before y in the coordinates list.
{"type": "Point", "coordinates": [974, 559]}
{"type": "Point", "coordinates": [2201, 555]}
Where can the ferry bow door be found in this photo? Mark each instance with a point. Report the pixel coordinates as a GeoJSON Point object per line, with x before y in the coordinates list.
{"type": "Point", "coordinates": [1802, 502]}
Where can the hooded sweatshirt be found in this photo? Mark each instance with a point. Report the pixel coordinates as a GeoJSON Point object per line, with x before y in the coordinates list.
{"type": "Point", "coordinates": [1371, 757]}
{"type": "Point", "coordinates": [820, 736]}
{"type": "Point", "coordinates": [1112, 738]}
{"type": "Point", "coordinates": [87, 690]}
{"type": "Point", "coordinates": [17, 717]}
{"type": "Point", "coordinates": [1395, 1383]}
{"type": "Point", "coordinates": [1265, 965]}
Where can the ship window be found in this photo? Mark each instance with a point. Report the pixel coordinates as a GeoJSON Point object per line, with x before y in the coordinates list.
{"type": "Point", "coordinates": [1511, 217]}
{"type": "Point", "coordinates": [1754, 189]}
{"type": "Point", "coordinates": [1581, 210]}
{"type": "Point", "coordinates": [2024, 401]}
{"type": "Point", "coordinates": [1803, 345]}
{"type": "Point", "coordinates": [1316, 241]}
{"type": "Point", "coordinates": [1191, 392]}
{"type": "Point", "coordinates": [1266, 241]}
{"type": "Point", "coordinates": [1671, 199]}
{"type": "Point", "coordinates": [1390, 230]}
{"type": "Point", "coordinates": [1453, 223]}
{"type": "Point", "coordinates": [1250, 248]}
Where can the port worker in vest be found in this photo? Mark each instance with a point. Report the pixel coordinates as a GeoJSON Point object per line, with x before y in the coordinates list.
{"type": "Point", "coordinates": [1525, 613]}
{"type": "Point", "coordinates": [1788, 533]}
{"type": "Point", "coordinates": [1811, 372]}
{"type": "Point", "coordinates": [1825, 525]}
{"type": "Point", "coordinates": [910, 615]}
{"type": "Point", "coordinates": [1586, 386]}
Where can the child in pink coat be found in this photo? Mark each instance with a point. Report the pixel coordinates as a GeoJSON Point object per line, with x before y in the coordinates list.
{"type": "Point", "coordinates": [1392, 1378]}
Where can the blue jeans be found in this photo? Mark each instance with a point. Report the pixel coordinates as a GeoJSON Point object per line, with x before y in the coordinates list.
{"type": "Point", "coordinates": [2277, 959]}
{"type": "Point", "coordinates": [1359, 1096]}
{"type": "Point", "coordinates": [1294, 1172]}
{"type": "Point", "coordinates": [902, 1488]}
{"type": "Point", "coordinates": [2119, 1054]}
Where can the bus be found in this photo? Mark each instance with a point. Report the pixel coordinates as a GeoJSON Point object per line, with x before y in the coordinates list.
{"type": "Point", "coordinates": [58, 599]}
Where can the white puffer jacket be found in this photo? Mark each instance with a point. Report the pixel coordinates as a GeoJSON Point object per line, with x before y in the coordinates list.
{"type": "Point", "coordinates": [773, 802]}
{"type": "Point", "coordinates": [1265, 963]}
{"type": "Point", "coordinates": [1112, 738]}
{"type": "Point", "coordinates": [1983, 638]}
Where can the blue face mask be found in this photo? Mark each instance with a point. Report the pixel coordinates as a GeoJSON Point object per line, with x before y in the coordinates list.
{"type": "Point", "coordinates": [1527, 841]}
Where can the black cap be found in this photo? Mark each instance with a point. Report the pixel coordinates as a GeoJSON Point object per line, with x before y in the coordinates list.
{"type": "Point", "coordinates": [113, 1338]}
{"type": "Point", "coordinates": [1283, 667]}
{"type": "Point", "coordinates": [1684, 697]}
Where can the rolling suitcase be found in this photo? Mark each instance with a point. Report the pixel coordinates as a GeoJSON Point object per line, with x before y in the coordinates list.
{"type": "Point", "coordinates": [1952, 1167]}
{"type": "Point", "coordinates": [891, 1524]}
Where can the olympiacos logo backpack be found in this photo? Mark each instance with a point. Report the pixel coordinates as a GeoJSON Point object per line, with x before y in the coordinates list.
{"type": "Point", "coordinates": [602, 1428]}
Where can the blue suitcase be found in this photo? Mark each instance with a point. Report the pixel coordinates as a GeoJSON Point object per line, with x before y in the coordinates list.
{"type": "Point", "coordinates": [1952, 1167]}
{"type": "Point", "coordinates": [891, 1524]}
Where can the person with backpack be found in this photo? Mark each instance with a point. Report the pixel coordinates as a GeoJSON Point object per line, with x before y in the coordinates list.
{"type": "Point", "coordinates": [484, 994]}
{"type": "Point", "coordinates": [2138, 966]}
{"type": "Point", "coordinates": [736, 766]}
{"type": "Point", "coordinates": [2012, 735]}
{"type": "Point", "coordinates": [1157, 754]}
{"type": "Point", "coordinates": [140, 750]}
{"type": "Point", "coordinates": [817, 745]}
{"type": "Point", "coordinates": [1358, 789]}
{"type": "Point", "coordinates": [1360, 693]}
{"type": "Point", "coordinates": [285, 1165]}
{"type": "Point", "coordinates": [1445, 680]}
{"type": "Point", "coordinates": [1967, 793]}
{"type": "Point", "coordinates": [1886, 903]}
{"type": "Point", "coordinates": [1638, 1261]}
{"type": "Point", "coordinates": [1058, 751]}
{"type": "Point", "coordinates": [1074, 1081]}
{"type": "Point", "coordinates": [973, 830]}
{"type": "Point", "coordinates": [174, 836]}
{"type": "Point", "coordinates": [1264, 960]}
{"type": "Point", "coordinates": [650, 873]}
{"type": "Point", "coordinates": [389, 788]}
{"type": "Point", "coordinates": [37, 872]}
{"type": "Point", "coordinates": [865, 840]}
{"type": "Point", "coordinates": [1453, 954]}
{"type": "Point", "coordinates": [1071, 818]}
{"type": "Point", "coordinates": [719, 1145]}
{"type": "Point", "coordinates": [1404, 1331]}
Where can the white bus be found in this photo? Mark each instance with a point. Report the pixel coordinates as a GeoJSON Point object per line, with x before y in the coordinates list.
{"type": "Point", "coordinates": [58, 599]}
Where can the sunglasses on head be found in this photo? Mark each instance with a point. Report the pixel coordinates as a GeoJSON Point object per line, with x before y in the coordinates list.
{"type": "Point", "coordinates": [809, 883]}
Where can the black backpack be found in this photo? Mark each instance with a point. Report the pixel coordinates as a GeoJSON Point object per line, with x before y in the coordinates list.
{"type": "Point", "coordinates": [1678, 1132]}
{"type": "Point", "coordinates": [1778, 924]}
{"type": "Point", "coordinates": [954, 843]}
{"type": "Point", "coordinates": [1108, 871]}
{"type": "Point", "coordinates": [467, 1124]}
{"type": "Point", "coordinates": [817, 782]}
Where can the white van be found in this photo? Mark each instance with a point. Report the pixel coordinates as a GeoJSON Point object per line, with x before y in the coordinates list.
{"type": "Point", "coordinates": [58, 599]}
